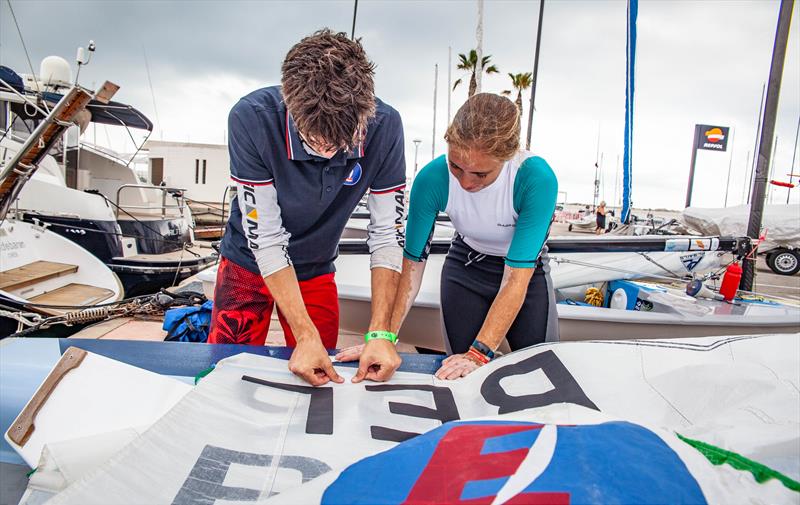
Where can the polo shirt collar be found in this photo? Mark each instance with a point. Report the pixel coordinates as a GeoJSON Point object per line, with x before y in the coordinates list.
{"type": "Point", "coordinates": [296, 151]}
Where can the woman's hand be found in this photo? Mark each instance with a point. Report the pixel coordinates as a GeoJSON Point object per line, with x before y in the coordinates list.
{"type": "Point", "coordinates": [457, 365]}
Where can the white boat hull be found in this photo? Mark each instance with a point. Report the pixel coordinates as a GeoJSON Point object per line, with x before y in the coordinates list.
{"type": "Point", "coordinates": [423, 327]}
{"type": "Point", "coordinates": [22, 243]}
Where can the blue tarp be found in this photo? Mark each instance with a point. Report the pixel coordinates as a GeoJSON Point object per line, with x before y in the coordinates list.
{"type": "Point", "coordinates": [188, 324]}
{"type": "Point", "coordinates": [111, 113]}
{"type": "Point", "coordinates": [12, 78]}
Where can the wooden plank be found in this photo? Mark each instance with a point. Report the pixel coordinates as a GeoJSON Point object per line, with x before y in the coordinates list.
{"type": "Point", "coordinates": [73, 295]}
{"type": "Point", "coordinates": [207, 232]}
{"type": "Point", "coordinates": [33, 273]}
{"type": "Point", "coordinates": [22, 428]}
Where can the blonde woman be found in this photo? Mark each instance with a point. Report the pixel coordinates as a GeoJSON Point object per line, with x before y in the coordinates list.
{"type": "Point", "coordinates": [495, 283]}
{"type": "Point", "coordinates": [600, 219]}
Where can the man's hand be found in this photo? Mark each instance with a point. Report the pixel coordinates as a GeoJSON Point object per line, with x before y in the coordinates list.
{"type": "Point", "coordinates": [378, 361]}
{"type": "Point", "coordinates": [455, 366]}
{"type": "Point", "coordinates": [350, 353]}
{"type": "Point", "coordinates": [311, 363]}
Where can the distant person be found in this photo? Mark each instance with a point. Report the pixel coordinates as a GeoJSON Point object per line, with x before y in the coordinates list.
{"type": "Point", "coordinates": [495, 281]}
{"type": "Point", "coordinates": [302, 155]}
{"type": "Point", "coordinates": [600, 213]}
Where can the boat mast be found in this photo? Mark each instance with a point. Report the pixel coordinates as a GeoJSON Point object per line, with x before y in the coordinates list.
{"type": "Point", "coordinates": [616, 183]}
{"type": "Point", "coordinates": [355, 12]}
{"type": "Point", "coordinates": [755, 145]}
{"type": "Point", "coordinates": [748, 176]}
{"type": "Point", "coordinates": [435, 88]}
{"type": "Point", "coordinates": [596, 182]}
{"type": "Point", "coordinates": [535, 76]}
{"type": "Point", "coordinates": [730, 164]}
{"type": "Point", "coordinates": [449, 84]}
{"type": "Point", "coordinates": [791, 167]}
{"type": "Point", "coordinates": [767, 134]}
{"type": "Point", "coordinates": [479, 49]}
{"type": "Point", "coordinates": [771, 171]}
{"type": "Point", "coordinates": [627, 162]}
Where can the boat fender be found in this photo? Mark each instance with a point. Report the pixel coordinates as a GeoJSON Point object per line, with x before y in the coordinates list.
{"type": "Point", "coordinates": [619, 300]}
{"type": "Point", "coordinates": [730, 281]}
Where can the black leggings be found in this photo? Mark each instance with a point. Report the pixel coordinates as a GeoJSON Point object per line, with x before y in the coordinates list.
{"type": "Point", "coordinates": [469, 284]}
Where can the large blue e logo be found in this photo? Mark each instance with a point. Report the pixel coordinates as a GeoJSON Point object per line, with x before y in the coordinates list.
{"type": "Point", "coordinates": [475, 462]}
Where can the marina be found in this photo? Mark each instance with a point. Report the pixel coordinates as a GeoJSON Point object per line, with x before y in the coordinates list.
{"type": "Point", "coordinates": [270, 312]}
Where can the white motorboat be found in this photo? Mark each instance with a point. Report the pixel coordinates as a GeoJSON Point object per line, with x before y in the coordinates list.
{"type": "Point", "coordinates": [93, 197]}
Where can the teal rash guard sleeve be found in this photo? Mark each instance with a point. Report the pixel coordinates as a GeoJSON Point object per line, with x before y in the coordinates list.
{"type": "Point", "coordinates": [428, 198]}
{"type": "Point", "coordinates": [535, 193]}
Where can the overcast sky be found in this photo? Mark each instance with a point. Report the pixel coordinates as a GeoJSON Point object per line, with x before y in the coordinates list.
{"type": "Point", "coordinates": [697, 62]}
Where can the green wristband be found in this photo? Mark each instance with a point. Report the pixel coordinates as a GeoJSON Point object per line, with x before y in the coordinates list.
{"type": "Point", "coordinates": [383, 335]}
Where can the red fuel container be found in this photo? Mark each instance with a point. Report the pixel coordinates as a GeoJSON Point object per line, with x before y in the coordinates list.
{"type": "Point", "coordinates": [730, 281]}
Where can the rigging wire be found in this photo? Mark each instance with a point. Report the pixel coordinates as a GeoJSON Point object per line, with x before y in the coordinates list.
{"type": "Point", "coordinates": [152, 92]}
{"type": "Point", "coordinates": [24, 46]}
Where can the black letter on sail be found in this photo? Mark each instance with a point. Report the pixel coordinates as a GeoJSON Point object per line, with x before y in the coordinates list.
{"type": "Point", "coordinates": [444, 410]}
{"type": "Point", "coordinates": [320, 408]}
{"type": "Point", "coordinates": [565, 388]}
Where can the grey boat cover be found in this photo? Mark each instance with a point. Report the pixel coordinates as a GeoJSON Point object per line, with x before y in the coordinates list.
{"type": "Point", "coordinates": [781, 223]}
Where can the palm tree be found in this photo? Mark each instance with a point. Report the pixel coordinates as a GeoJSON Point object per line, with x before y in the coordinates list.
{"type": "Point", "coordinates": [470, 64]}
{"type": "Point", "coordinates": [520, 82]}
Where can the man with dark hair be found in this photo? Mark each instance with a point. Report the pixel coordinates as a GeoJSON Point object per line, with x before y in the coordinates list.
{"type": "Point", "coordinates": [302, 156]}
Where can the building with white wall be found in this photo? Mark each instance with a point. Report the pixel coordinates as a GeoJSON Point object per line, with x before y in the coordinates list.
{"type": "Point", "coordinates": [201, 169]}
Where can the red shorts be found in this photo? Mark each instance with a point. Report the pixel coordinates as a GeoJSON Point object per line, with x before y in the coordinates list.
{"type": "Point", "coordinates": [243, 307]}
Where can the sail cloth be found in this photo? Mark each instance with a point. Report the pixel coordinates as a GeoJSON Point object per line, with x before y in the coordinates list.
{"type": "Point", "coordinates": [630, 67]}
{"type": "Point", "coordinates": [583, 422]}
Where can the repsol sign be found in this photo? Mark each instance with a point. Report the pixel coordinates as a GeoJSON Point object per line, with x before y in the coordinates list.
{"type": "Point", "coordinates": [712, 138]}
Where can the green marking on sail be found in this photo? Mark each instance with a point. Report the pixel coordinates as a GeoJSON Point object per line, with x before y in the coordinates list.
{"type": "Point", "coordinates": [203, 374]}
{"type": "Point", "coordinates": [719, 456]}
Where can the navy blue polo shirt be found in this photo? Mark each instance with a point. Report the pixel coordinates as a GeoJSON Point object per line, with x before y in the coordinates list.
{"type": "Point", "coordinates": [316, 195]}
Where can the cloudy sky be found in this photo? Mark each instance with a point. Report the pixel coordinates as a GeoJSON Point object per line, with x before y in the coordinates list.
{"type": "Point", "coordinates": [697, 62]}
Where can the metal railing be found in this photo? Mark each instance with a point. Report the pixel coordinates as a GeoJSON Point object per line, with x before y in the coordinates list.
{"type": "Point", "coordinates": [177, 193]}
